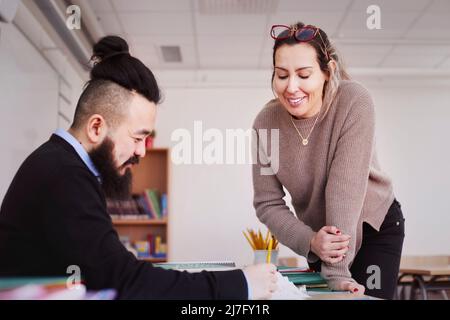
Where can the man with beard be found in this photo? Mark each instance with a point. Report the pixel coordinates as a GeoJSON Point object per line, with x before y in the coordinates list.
{"type": "Point", "coordinates": [54, 213]}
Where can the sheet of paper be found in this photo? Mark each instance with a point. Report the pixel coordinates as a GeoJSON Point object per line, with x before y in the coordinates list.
{"type": "Point", "coordinates": [286, 290]}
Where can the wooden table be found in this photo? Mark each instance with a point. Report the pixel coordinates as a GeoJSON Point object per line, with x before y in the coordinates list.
{"type": "Point", "coordinates": [427, 270]}
{"type": "Point", "coordinates": [428, 274]}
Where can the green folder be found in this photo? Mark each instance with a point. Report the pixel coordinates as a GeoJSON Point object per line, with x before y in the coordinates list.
{"type": "Point", "coordinates": [300, 277]}
{"type": "Point", "coordinates": [306, 278]}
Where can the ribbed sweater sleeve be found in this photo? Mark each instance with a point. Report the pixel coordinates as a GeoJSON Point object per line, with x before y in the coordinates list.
{"type": "Point", "coordinates": [271, 209]}
{"type": "Point", "coordinates": [347, 180]}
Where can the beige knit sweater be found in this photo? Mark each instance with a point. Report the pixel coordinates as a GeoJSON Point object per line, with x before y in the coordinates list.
{"type": "Point", "coordinates": [335, 180]}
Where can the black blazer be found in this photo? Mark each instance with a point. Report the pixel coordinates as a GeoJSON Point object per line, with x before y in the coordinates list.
{"type": "Point", "coordinates": [54, 215]}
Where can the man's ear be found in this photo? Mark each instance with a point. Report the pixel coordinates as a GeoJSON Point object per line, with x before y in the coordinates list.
{"type": "Point", "coordinates": [96, 129]}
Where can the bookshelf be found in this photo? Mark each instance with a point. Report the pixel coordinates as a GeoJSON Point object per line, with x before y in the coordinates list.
{"type": "Point", "coordinates": [152, 172]}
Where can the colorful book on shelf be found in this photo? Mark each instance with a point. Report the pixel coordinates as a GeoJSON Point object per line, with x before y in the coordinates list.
{"type": "Point", "coordinates": [145, 206]}
{"type": "Point", "coordinates": [154, 200]}
{"type": "Point", "coordinates": [151, 247]}
{"type": "Point", "coordinates": [157, 246]}
{"type": "Point", "coordinates": [113, 208]}
{"type": "Point", "coordinates": [129, 208]}
{"type": "Point", "coordinates": [150, 205]}
{"type": "Point", "coordinates": [164, 205]}
{"type": "Point", "coordinates": [142, 249]}
{"type": "Point", "coordinates": [151, 241]}
{"type": "Point", "coordinates": [125, 209]}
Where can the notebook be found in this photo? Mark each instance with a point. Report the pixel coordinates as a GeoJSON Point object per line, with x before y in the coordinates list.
{"type": "Point", "coordinates": [197, 266]}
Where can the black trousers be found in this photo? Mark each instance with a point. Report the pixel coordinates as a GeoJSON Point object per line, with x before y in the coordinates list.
{"type": "Point", "coordinates": [377, 262]}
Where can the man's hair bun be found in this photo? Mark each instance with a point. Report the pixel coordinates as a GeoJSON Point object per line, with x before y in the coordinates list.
{"type": "Point", "coordinates": [109, 46]}
{"type": "Point", "coordinates": [113, 62]}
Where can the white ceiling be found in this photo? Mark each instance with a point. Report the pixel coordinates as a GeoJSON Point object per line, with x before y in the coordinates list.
{"type": "Point", "coordinates": [234, 34]}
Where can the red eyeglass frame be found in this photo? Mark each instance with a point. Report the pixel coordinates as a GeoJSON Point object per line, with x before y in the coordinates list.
{"type": "Point", "coordinates": [293, 30]}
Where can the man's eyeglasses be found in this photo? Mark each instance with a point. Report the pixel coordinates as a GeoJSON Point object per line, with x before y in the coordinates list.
{"type": "Point", "coordinates": [303, 34]}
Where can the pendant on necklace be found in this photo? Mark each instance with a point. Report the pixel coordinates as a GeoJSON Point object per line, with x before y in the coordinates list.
{"type": "Point", "coordinates": [305, 142]}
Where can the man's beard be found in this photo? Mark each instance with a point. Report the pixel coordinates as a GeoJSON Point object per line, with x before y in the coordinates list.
{"type": "Point", "coordinates": [115, 185]}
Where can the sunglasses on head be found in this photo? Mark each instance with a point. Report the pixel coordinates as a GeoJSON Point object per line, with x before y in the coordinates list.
{"type": "Point", "coordinates": [303, 34]}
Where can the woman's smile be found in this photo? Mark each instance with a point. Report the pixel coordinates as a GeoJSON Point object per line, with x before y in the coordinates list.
{"type": "Point", "coordinates": [295, 102]}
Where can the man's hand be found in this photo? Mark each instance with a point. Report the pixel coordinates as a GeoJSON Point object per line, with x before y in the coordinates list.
{"type": "Point", "coordinates": [262, 280]}
{"type": "Point", "coordinates": [329, 244]}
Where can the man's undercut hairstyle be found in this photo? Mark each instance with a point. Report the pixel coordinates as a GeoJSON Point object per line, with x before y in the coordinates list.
{"type": "Point", "coordinates": [105, 98]}
{"type": "Point", "coordinates": [114, 77]}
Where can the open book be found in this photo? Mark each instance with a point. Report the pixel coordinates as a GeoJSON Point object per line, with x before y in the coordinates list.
{"type": "Point", "coordinates": [197, 266]}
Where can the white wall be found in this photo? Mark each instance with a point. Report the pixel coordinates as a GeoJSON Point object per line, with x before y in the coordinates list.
{"type": "Point", "coordinates": [210, 205]}
{"type": "Point", "coordinates": [28, 95]}
{"type": "Point", "coordinates": [413, 131]}
{"type": "Point", "coordinates": [30, 91]}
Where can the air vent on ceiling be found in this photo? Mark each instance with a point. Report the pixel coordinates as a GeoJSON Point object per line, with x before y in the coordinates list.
{"type": "Point", "coordinates": [171, 53]}
{"type": "Point", "coordinates": [226, 7]}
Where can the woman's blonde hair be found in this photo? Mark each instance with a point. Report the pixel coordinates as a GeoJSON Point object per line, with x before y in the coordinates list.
{"type": "Point", "coordinates": [330, 62]}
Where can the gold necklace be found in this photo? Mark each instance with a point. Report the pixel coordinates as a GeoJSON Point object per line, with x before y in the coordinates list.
{"type": "Point", "coordinates": [305, 140]}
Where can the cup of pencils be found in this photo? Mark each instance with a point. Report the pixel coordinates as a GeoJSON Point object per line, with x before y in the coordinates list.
{"type": "Point", "coordinates": [265, 248]}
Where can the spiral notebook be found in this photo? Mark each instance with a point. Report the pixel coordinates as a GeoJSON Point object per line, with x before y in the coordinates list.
{"type": "Point", "coordinates": [197, 266]}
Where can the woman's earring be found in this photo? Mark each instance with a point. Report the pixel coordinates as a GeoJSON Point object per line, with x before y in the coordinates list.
{"type": "Point", "coordinates": [273, 92]}
{"type": "Point", "coordinates": [276, 97]}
